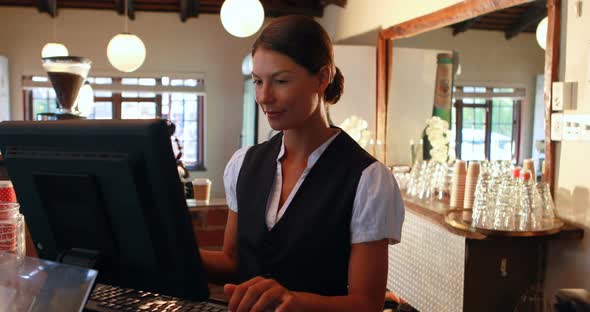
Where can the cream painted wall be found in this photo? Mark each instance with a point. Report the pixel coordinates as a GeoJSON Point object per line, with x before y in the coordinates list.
{"type": "Point", "coordinates": [359, 67]}
{"type": "Point", "coordinates": [487, 58]}
{"type": "Point", "coordinates": [412, 88]}
{"type": "Point", "coordinates": [362, 16]}
{"type": "Point", "coordinates": [568, 263]}
{"type": "Point", "coordinates": [199, 46]}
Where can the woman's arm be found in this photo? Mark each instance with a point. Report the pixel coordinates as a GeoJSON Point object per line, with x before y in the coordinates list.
{"type": "Point", "coordinates": [367, 277]}
{"type": "Point", "coordinates": [221, 266]}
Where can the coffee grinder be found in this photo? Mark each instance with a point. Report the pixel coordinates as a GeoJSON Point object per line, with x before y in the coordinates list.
{"type": "Point", "coordinates": [67, 75]}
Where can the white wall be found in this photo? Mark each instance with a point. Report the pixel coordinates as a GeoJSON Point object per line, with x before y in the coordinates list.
{"type": "Point", "coordinates": [568, 263]}
{"type": "Point", "coordinates": [359, 67]}
{"type": "Point", "coordinates": [198, 46]}
{"type": "Point", "coordinates": [362, 16]}
{"type": "Point", "coordinates": [486, 57]}
{"type": "Point", "coordinates": [412, 93]}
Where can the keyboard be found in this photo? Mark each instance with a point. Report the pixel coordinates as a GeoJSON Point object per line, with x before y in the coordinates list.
{"type": "Point", "coordinates": [105, 298]}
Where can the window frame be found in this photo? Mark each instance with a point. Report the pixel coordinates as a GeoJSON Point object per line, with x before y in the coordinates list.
{"type": "Point", "coordinates": [517, 96]}
{"type": "Point", "coordinates": [116, 99]}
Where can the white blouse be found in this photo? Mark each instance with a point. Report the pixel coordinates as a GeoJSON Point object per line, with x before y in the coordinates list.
{"type": "Point", "coordinates": [378, 210]}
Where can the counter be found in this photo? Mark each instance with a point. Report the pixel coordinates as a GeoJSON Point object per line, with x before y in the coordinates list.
{"type": "Point", "coordinates": [438, 267]}
{"type": "Point", "coordinates": [208, 220]}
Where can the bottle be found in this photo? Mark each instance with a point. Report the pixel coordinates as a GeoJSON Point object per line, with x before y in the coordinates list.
{"type": "Point", "coordinates": [443, 92]}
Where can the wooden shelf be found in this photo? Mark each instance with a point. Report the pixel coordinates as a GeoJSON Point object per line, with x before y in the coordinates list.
{"type": "Point", "coordinates": [435, 212]}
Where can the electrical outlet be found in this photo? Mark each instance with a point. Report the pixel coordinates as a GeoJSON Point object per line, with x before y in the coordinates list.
{"type": "Point", "coordinates": [569, 132]}
{"type": "Point", "coordinates": [571, 128]}
{"type": "Point", "coordinates": [576, 128]}
{"type": "Point", "coordinates": [584, 121]}
{"type": "Point", "coordinates": [561, 95]}
{"type": "Point", "coordinates": [585, 132]}
{"type": "Point", "coordinates": [556, 126]}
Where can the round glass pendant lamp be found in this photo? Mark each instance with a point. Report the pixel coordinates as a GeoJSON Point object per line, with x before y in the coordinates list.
{"type": "Point", "coordinates": [52, 49]}
{"type": "Point", "coordinates": [242, 18]}
{"type": "Point", "coordinates": [542, 33]}
{"type": "Point", "coordinates": [85, 102]}
{"type": "Point", "coordinates": [126, 52]}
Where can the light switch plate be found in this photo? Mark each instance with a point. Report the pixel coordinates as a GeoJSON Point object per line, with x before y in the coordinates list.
{"type": "Point", "coordinates": [561, 95]}
{"type": "Point", "coordinates": [556, 126]}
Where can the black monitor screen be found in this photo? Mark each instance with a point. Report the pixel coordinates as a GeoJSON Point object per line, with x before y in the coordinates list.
{"type": "Point", "coordinates": [110, 188]}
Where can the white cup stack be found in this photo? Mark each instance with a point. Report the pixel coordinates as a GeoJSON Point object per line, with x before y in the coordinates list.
{"type": "Point", "coordinates": [529, 164]}
{"type": "Point", "coordinates": [470, 185]}
{"type": "Point", "coordinates": [458, 185]}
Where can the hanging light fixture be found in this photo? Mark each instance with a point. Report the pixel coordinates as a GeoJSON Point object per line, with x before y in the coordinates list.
{"type": "Point", "coordinates": [85, 101]}
{"type": "Point", "coordinates": [126, 52]}
{"type": "Point", "coordinates": [542, 33]}
{"type": "Point", "coordinates": [54, 48]}
{"type": "Point", "coordinates": [242, 18]}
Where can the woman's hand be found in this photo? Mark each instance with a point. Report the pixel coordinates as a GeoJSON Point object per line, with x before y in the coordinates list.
{"type": "Point", "coordinates": [259, 295]}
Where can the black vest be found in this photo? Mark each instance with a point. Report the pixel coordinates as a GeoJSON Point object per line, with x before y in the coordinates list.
{"type": "Point", "coordinates": [309, 247]}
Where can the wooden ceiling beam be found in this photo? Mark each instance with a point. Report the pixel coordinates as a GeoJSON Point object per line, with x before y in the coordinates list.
{"type": "Point", "coordinates": [464, 26]}
{"type": "Point", "coordinates": [340, 3]}
{"type": "Point", "coordinates": [532, 16]}
{"type": "Point", "coordinates": [272, 7]}
{"type": "Point", "coordinates": [188, 9]}
{"type": "Point", "coordinates": [47, 6]}
{"type": "Point", "coordinates": [120, 6]}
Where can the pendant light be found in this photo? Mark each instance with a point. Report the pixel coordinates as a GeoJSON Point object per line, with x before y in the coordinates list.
{"type": "Point", "coordinates": [85, 101]}
{"type": "Point", "coordinates": [542, 33]}
{"type": "Point", "coordinates": [54, 48]}
{"type": "Point", "coordinates": [242, 18]}
{"type": "Point", "coordinates": [126, 52]}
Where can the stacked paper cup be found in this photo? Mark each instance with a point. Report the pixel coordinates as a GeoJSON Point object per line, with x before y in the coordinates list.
{"type": "Point", "coordinates": [470, 184]}
{"type": "Point", "coordinates": [458, 185]}
{"type": "Point", "coordinates": [529, 164]}
{"type": "Point", "coordinates": [12, 247]}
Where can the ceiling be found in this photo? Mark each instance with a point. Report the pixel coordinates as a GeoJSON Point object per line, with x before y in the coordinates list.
{"type": "Point", "coordinates": [184, 8]}
{"type": "Point", "coordinates": [511, 21]}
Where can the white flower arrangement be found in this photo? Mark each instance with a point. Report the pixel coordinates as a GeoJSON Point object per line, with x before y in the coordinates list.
{"type": "Point", "coordinates": [439, 134]}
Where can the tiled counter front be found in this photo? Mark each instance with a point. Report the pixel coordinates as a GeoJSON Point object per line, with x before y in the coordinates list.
{"type": "Point", "coordinates": [437, 267]}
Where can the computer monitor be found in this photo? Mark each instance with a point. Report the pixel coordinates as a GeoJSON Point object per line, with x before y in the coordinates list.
{"type": "Point", "coordinates": [107, 188]}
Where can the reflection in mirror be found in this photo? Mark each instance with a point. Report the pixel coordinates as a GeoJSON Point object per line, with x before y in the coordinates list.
{"type": "Point", "coordinates": [497, 99]}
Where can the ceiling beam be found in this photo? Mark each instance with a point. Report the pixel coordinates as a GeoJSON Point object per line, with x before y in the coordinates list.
{"type": "Point", "coordinates": [340, 3]}
{"type": "Point", "coordinates": [464, 26]}
{"type": "Point", "coordinates": [130, 8]}
{"type": "Point", "coordinates": [532, 16]}
{"type": "Point", "coordinates": [188, 9]}
{"type": "Point", "coordinates": [47, 6]}
{"type": "Point", "coordinates": [272, 8]}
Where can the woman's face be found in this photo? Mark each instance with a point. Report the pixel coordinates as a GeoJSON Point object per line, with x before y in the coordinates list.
{"type": "Point", "coordinates": [286, 91]}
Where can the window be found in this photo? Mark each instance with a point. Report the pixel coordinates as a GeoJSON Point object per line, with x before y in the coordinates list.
{"type": "Point", "coordinates": [176, 99]}
{"type": "Point", "coordinates": [487, 122]}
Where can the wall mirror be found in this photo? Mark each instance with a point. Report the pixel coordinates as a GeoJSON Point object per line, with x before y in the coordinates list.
{"type": "Point", "coordinates": [500, 87]}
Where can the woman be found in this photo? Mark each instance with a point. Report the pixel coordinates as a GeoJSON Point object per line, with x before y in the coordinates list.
{"type": "Point", "coordinates": [311, 213]}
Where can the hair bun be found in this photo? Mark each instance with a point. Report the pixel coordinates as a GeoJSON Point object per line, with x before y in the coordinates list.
{"type": "Point", "coordinates": [335, 88]}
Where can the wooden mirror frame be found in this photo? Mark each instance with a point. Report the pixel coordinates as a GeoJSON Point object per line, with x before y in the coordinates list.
{"type": "Point", "coordinates": [454, 14]}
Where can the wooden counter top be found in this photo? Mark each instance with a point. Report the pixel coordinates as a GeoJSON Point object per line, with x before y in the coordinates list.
{"type": "Point", "coordinates": [434, 211]}
{"type": "Point", "coordinates": [215, 203]}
